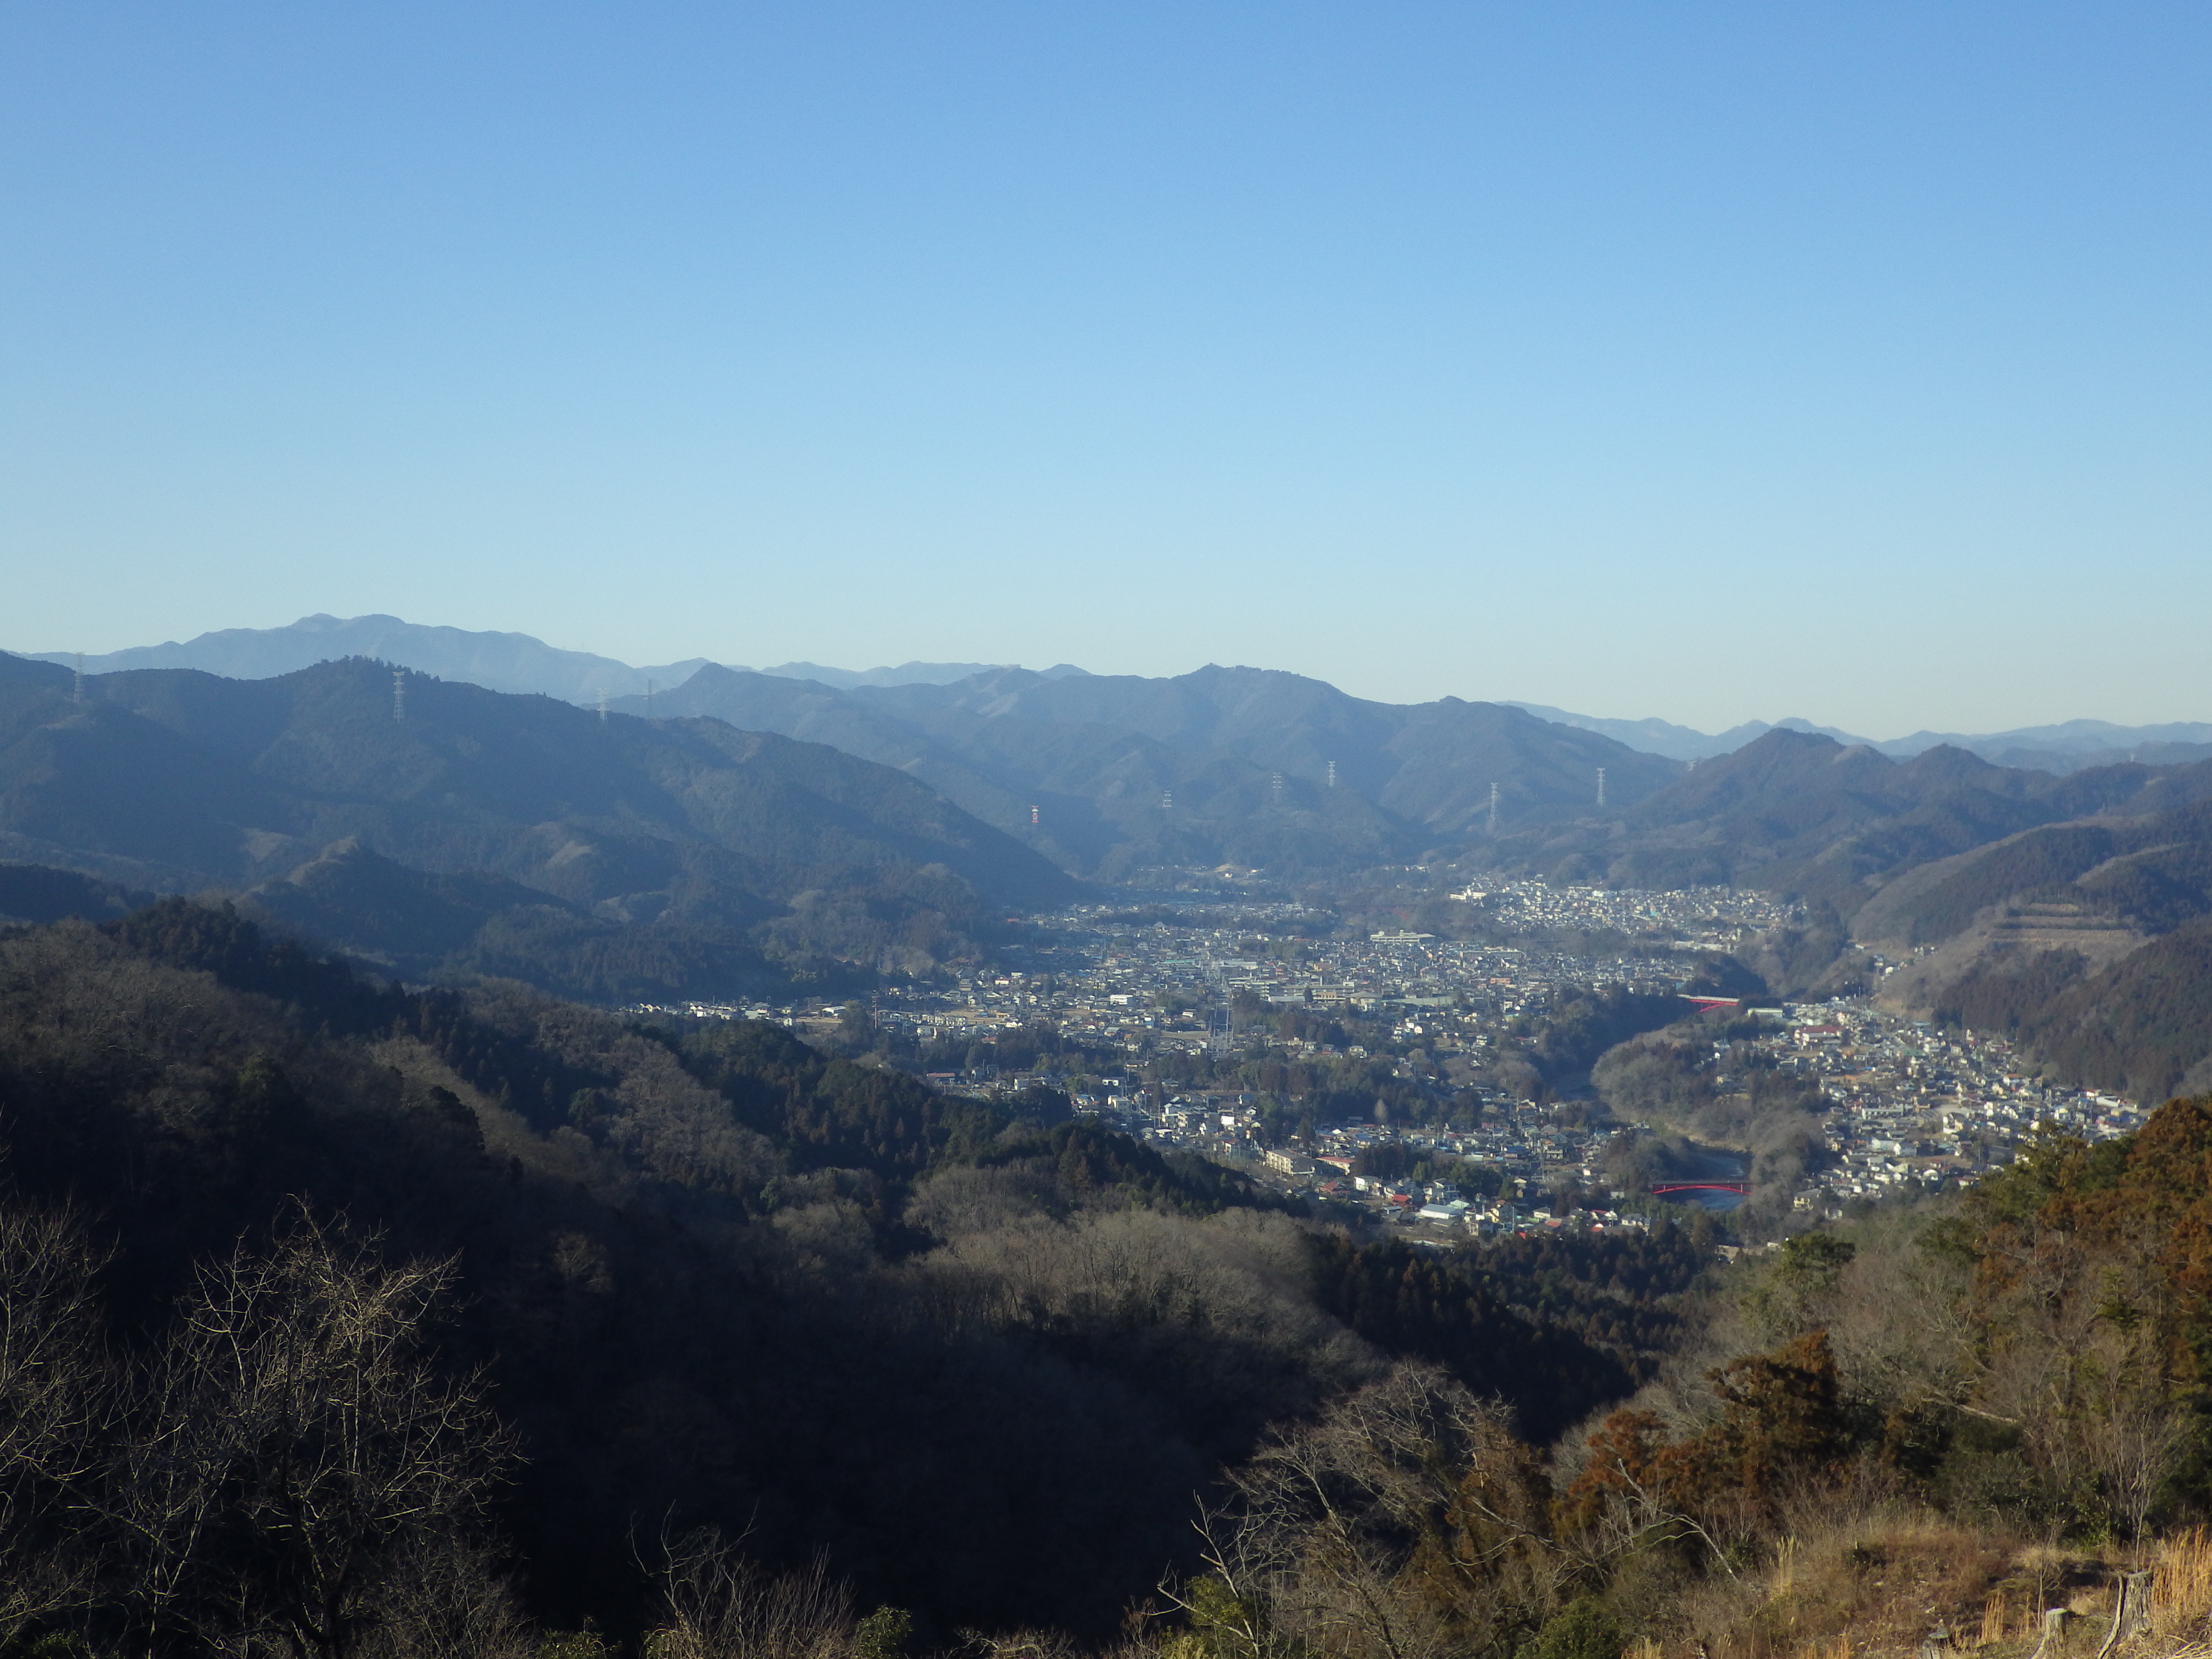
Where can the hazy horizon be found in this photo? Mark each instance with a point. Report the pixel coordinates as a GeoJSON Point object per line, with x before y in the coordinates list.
{"type": "Point", "coordinates": [1844, 361]}
{"type": "Point", "coordinates": [925, 660]}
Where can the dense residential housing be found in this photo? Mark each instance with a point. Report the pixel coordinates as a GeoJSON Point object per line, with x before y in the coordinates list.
{"type": "Point", "coordinates": [1133, 999]}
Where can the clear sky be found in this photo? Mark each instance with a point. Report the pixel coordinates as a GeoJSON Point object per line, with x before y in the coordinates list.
{"type": "Point", "coordinates": [1847, 361]}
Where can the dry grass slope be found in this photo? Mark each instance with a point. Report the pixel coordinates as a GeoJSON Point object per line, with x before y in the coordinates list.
{"type": "Point", "coordinates": [1914, 1588]}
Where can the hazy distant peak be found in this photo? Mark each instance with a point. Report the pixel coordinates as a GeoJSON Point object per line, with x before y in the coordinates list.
{"type": "Point", "coordinates": [496, 661]}
{"type": "Point", "coordinates": [910, 673]}
{"type": "Point", "coordinates": [1651, 735]}
{"type": "Point", "coordinates": [1849, 740]}
{"type": "Point", "coordinates": [2065, 747]}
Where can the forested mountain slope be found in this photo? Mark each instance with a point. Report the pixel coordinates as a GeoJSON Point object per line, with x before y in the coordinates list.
{"type": "Point", "coordinates": [1224, 764]}
{"type": "Point", "coordinates": [707, 1275]}
{"type": "Point", "coordinates": [2068, 910]}
{"type": "Point", "coordinates": [520, 1295]}
{"type": "Point", "coordinates": [1794, 811]}
{"type": "Point", "coordinates": [676, 855]}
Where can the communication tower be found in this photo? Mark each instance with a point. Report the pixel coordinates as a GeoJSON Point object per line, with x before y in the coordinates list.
{"type": "Point", "coordinates": [602, 705]}
{"type": "Point", "coordinates": [1276, 786]}
{"type": "Point", "coordinates": [1167, 800]}
{"type": "Point", "coordinates": [1493, 809]}
{"type": "Point", "coordinates": [1601, 786]}
{"type": "Point", "coordinates": [1332, 774]}
{"type": "Point", "coordinates": [400, 696]}
{"type": "Point", "coordinates": [76, 693]}
{"type": "Point", "coordinates": [1033, 818]}
{"type": "Point", "coordinates": [648, 699]}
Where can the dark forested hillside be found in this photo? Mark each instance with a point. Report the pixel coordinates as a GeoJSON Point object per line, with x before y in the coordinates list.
{"type": "Point", "coordinates": [2141, 1026]}
{"type": "Point", "coordinates": [440, 828]}
{"type": "Point", "coordinates": [2149, 870]}
{"type": "Point", "coordinates": [340, 1317]}
{"type": "Point", "coordinates": [33, 892]}
{"type": "Point", "coordinates": [704, 1273]}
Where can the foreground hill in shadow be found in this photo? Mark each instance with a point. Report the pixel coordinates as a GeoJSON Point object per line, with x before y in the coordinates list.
{"type": "Point", "coordinates": [707, 1275]}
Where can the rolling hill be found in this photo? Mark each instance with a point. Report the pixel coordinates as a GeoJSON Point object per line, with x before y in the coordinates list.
{"type": "Point", "coordinates": [679, 853]}
{"type": "Point", "coordinates": [1244, 765]}
{"type": "Point", "coordinates": [1796, 811]}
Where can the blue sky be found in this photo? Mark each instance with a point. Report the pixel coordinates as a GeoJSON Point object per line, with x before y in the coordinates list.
{"type": "Point", "coordinates": [1711, 361]}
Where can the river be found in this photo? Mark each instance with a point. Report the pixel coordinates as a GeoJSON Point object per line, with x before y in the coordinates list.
{"type": "Point", "coordinates": [1714, 1164]}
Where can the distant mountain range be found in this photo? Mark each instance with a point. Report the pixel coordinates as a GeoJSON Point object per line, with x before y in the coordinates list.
{"type": "Point", "coordinates": [498, 662]}
{"type": "Point", "coordinates": [1799, 811]}
{"type": "Point", "coordinates": [518, 663]}
{"type": "Point", "coordinates": [454, 830]}
{"type": "Point", "coordinates": [1109, 774]}
{"type": "Point", "coordinates": [2068, 747]}
{"type": "Point", "coordinates": [740, 832]}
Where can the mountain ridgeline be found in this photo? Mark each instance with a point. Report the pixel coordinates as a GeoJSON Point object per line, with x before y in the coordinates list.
{"type": "Point", "coordinates": [1797, 812]}
{"type": "Point", "coordinates": [1110, 774]}
{"type": "Point", "coordinates": [441, 830]}
{"type": "Point", "coordinates": [747, 834]}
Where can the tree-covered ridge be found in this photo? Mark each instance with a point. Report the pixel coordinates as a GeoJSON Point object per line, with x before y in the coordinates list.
{"type": "Point", "coordinates": [1447, 1310]}
{"type": "Point", "coordinates": [1263, 767]}
{"type": "Point", "coordinates": [2102, 1253]}
{"type": "Point", "coordinates": [2142, 1025]}
{"type": "Point", "coordinates": [438, 829]}
{"type": "Point", "coordinates": [709, 1274]}
{"type": "Point", "coordinates": [701, 1272]}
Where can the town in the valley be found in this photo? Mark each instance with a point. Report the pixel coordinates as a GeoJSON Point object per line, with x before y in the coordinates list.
{"type": "Point", "coordinates": [1250, 1028]}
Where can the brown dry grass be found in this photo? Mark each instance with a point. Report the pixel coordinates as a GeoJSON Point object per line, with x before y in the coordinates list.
{"type": "Point", "coordinates": [1876, 1588]}
{"type": "Point", "coordinates": [2181, 1593]}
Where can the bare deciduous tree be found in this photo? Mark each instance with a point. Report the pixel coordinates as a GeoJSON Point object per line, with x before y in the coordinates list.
{"type": "Point", "coordinates": [717, 1604]}
{"type": "Point", "coordinates": [296, 1446]}
{"type": "Point", "coordinates": [55, 1395]}
{"type": "Point", "coordinates": [1408, 1523]}
{"type": "Point", "coordinates": [445, 1599]}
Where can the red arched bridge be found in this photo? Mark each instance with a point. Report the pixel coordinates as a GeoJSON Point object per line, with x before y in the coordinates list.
{"type": "Point", "coordinates": [1665, 1187]}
